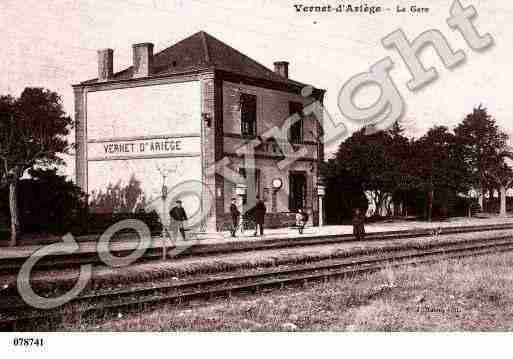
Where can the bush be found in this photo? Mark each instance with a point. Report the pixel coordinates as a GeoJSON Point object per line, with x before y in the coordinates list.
{"type": "Point", "coordinates": [47, 203]}
{"type": "Point", "coordinates": [50, 204]}
{"type": "Point", "coordinates": [97, 223]}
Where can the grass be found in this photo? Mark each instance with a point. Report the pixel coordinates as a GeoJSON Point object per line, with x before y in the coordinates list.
{"type": "Point", "coordinates": [474, 294]}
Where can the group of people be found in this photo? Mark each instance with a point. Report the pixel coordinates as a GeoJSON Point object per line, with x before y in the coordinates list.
{"type": "Point", "coordinates": [259, 215]}
{"type": "Point", "coordinates": [258, 212]}
{"type": "Point", "coordinates": [178, 217]}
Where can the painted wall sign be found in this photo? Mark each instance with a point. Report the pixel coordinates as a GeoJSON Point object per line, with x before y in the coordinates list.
{"type": "Point", "coordinates": [156, 147]}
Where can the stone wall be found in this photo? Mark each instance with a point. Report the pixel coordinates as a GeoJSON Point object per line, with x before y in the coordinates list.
{"type": "Point", "coordinates": [272, 110]}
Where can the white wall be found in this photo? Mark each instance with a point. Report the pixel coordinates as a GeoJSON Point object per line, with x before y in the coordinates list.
{"type": "Point", "coordinates": [144, 111]}
{"type": "Point", "coordinates": [151, 113]}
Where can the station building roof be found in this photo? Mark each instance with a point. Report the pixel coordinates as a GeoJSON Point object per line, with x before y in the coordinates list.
{"type": "Point", "coordinates": [203, 51]}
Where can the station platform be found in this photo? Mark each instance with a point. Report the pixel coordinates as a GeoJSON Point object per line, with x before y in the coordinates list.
{"type": "Point", "coordinates": [200, 241]}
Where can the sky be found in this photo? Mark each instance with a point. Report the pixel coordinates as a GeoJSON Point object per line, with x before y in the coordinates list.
{"type": "Point", "coordinates": [54, 44]}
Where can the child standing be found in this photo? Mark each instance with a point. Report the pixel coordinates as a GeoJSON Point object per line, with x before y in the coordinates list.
{"type": "Point", "coordinates": [300, 220]}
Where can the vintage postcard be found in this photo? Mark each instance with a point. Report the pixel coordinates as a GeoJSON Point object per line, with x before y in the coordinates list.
{"type": "Point", "coordinates": [255, 166]}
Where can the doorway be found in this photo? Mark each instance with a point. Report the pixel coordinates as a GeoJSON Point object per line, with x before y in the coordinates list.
{"type": "Point", "coordinates": [297, 188]}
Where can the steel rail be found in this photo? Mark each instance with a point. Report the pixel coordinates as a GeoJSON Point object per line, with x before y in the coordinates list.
{"type": "Point", "coordinates": [262, 278]}
{"type": "Point", "coordinates": [201, 249]}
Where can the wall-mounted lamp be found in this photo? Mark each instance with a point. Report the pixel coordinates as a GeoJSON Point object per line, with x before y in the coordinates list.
{"type": "Point", "coordinates": [164, 191]}
{"type": "Point", "coordinates": [321, 187]}
{"type": "Point", "coordinates": [207, 118]}
{"type": "Point", "coordinates": [11, 175]}
{"type": "Point", "coordinates": [241, 189]}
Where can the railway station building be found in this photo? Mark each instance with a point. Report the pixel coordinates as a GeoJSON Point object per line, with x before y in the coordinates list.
{"type": "Point", "coordinates": [172, 116]}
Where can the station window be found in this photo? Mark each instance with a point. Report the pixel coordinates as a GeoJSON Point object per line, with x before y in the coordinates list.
{"type": "Point", "coordinates": [248, 115]}
{"type": "Point", "coordinates": [296, 130]}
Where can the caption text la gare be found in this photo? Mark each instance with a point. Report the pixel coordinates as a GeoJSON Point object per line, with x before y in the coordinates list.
{"type": "Point", "coordinates": [357, 8]}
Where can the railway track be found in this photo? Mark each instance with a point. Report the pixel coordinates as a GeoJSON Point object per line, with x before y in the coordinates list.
{"type": "Point", "coordinates": [144, 294]}
{"type": "Point", "coordinates": [10, 265]}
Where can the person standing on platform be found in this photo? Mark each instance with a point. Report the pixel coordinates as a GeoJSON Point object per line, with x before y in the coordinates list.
{"type": "Point", "coordinates": [234, 210]}
{"type": "Point", "coordinates": [260, 210]}
{"type": "Point", "coordinates": [178, 216]}
{"type": "Point", "coordinates": [358, 224]}
{"type": "Point", "coordinates": [300, 220]}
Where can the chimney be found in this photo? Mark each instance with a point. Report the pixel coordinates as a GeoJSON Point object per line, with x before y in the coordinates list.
{"type": "Point", "coordinates": [105, 64]}
{"type": "Point", "coordinates": [282, 68]}
{"type": "Point", "coordinates": [142, 59]}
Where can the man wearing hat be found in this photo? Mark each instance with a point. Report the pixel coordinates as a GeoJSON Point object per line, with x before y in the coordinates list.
{"type": "Point", "coordinates": [259, 211]}
{"type": "Point", "coordinates": [178, 216]}
{"type": "Point", "coordinates": [234, 210]}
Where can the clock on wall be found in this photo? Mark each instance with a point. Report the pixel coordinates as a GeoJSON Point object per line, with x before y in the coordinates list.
{"type": "Point", "coordinates": [277, 183]}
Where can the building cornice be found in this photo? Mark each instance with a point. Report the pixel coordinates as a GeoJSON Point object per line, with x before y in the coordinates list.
{"type": "Point", "coordinates": [144, 81]}
{"type": "Point", "coordinates": [195, 76]}
{"type": "Point", "coordinates": [270, 157]}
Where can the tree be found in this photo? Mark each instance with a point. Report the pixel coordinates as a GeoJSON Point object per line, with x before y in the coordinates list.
{"type": "Point", "coordinates": [377, 163]}
{"type": "Point", "coordinates": [400, 158]}
{"type": "Point", "coordinates": [481, 140]}
{"type": "Point", "coordinates": [118, 198]}
{"type": "Point", "coordinates": [343, 192]}
{"type": "Point", "coordinates": [502, 174]}
{"type": "Point", "coordinates": [438, 165]}
{"type": "Point", "coordinates": [363, 159]}
{"type": "Point", "coordinates": [33, 130]}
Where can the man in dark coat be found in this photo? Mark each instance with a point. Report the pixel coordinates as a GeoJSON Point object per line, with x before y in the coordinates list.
{"type": "Point", "coordinates": [358, 224]}
{"type": "Point", "coordinates": [178, 216]}
{"type": "Point", "coordinates": [259, 216]}
{"type": "Point", "coordinates": [234, 210]}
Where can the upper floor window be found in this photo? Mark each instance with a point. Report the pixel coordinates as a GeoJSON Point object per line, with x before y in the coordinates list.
{"type": "Point", "coordinates": [248, 115]}
{"type": "Point", "coordinates": [296, 130]}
